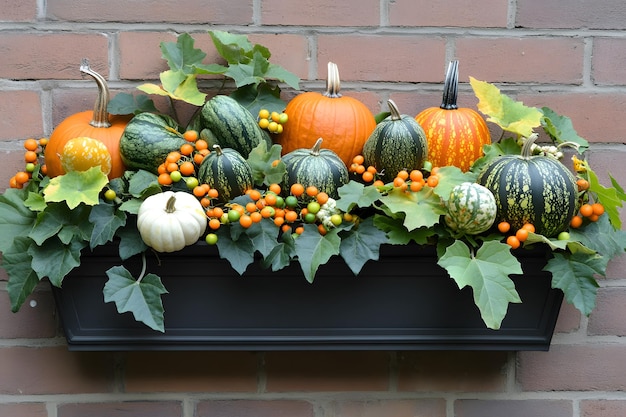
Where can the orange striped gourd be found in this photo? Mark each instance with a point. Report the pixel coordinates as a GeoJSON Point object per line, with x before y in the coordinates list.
{"type": "Point", "coordinates": [455, 135]}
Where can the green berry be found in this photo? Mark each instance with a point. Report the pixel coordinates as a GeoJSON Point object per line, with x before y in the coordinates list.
{"type": "Point", "coordinates": [291, 201]}
{"type": "Point", "coordinates": [313, 207]}
{"type": "Point", "coordinates": [233, 216]}
{"type": "Point", "coordinates": [336, 219]}
{"type": "Point", "coordinates": [176, 176]}
{"type": "Point", "coordinates": [192, 182]}
{"type": "Point", "coordinates": [211, 238]}
{"type": "Point", "coordinates": [110, 195]}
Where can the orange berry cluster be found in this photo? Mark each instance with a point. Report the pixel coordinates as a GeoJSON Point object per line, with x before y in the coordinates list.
{"type": "Point", "coordinates": [33, 153]}
{"type": "Point", "coordinates": [415, 180]}
{"type": "Point", "coordinates": [589, 211]}
{"type": "Point", "coordinates": [515, 240]}
{"type": "Point", "coordinates": [367, 174]}
{"type": "Point", "coordinates": [184, 162]}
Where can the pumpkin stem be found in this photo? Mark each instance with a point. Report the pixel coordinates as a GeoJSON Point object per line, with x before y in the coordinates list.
{"type": "Point", "coordinates": [451, 87]}
{"type": "Point", "coordinates": [527, 147]}
{"type": "Point", "coordinates": [218, 149]}
{"type": "Point", "coordinates": [169, 206]}
{"type": "Point", "coordinates": [393, 109]}
{"type": "Point", "coordinates": [333, 84]}
{"type": "Point", "coordinates": [315, 150]}
{"type": "Point", "coordinates": [100, 114]}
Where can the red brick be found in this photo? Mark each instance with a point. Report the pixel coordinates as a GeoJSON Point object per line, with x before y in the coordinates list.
{"type": "Point", "coordinates": [617, 266]}
{"type": "Point", "coordinates": [602, 408]}
{"type": "Point", "coordinates": [608, 316]}
{"type": "Point", "coordinates": [608, 53]}
{"type": "Point", "coordinates": [607, 14]}
{"type": "Point", "coordinates": [290, 51]}
{"type": "Point", "coordinates": [36, 318]}
{"type": "Point", "coordinates": [67, 102]}
{"type": "Point", "coordinates": [185, 11]}
{"type": "Point", "coordinates": [320, 13]}
{"type": "Point", "coordinates": [607, 160]}
{"type": "Point", "coordinates": [54, 370]}
{"type": "Point", "coordinates": [23, 410]}
{"type": "Point", "coordinates": [569, 319]}
{"type": "Point", "coordinates": [18, 11]}
{"type": "Point", "coordinates": [254, 408]}
{"type": "Point", "coordinates": [389, 408]}
{"type": "Point", "coordinates": [327, 371]}
{"type": "Point", "coordinates": [542, 60]}
{"type": "Point", "coordinates": [452, 371]}
{"type": "Point", "coordinates": [140, 54]}
{"type": "Point", "coordinates": [593, 114]}
{"type": "Point", "coordinates": [122, 409]}
{"type": "Point", "coordinates": [466, 13]}
{"type": "Point", "coordinates": [513, 408]}
{"type": "Point", "coordinates": [21, 115]}
{"type": "Point", "coordinates": [388, 58]}
{"type": "Point", "coordinates": [11, 161]}
{"type": "Point", "coordinates": [191, 371]}
{"type": "Point", "coordinates": [584, 367]}
{"type": "Point", "coordinates": [51, 56]}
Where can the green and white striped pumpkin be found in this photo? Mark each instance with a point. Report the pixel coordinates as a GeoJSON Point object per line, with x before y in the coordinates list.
{"type": "Point", "coordinates": [232, 125]}
{"type": "Point", "coordinates": [321, 168]}
{"type": "Point", "coordinates": [226, 171]}
{"type": "Point", "coordinates": [537, 189]}
{"type": "Point", "coordinates": [397, 143]}
{"type": "Point", "coordinates": [471, 209]}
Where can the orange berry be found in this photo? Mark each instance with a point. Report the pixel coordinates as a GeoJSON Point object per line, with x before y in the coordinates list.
{"type": "Point", "coordinates": [529, 227]}
{"type": "Point", "coordinates": [416, 175]}
{"type": "Point", "coordinates": [594, 218]}
{"type": "Point", "coordinates": [191, 135]}
{"type": "Point", "coordinates": [513, 242]}
{"type": "Point", "coordinates": [43, 141]}
{"type": "Point", "coordinates": [275, 188]}
{"type": "Point", "coordinates": [162, 169]}
{"type": "Point", "coordinates": [372, 169]}
{"type": "Point", "coordinates": [299, 230]}
{"type": "Point", "coordinates": [403, 174]}
{"type": "Point", "coordinates": [367, 176]}
{"type": "Point", "coordinates": [434, 170]}
{"type": "Point", "coordinates": [522, 234]}
{"type": "Point", "coordinates": [198, 190]}
{"type": "Point", "coordinates": [504, 227]}
{"type": "Point", "coordinates": [205, 202]}
{"type": "Point", "coordinates": [271, 199]}
{"type": "Point", "coordinates": [187, 168]}
{"type": "Point", "coordinates": [586, 210]}
{"type": "Point", "coordinates": [173, 156]}
{"type": "Point", "coordinates": [297, 190]}
{"type": "Point", "coordinates": [278, 221]}
{"type": "Point", "coordinates": [322, 198]}
{"type": "Point", "coordinates": [261, 203]}
{"type": "Point", "coordinates": [322, 229]}
{"type": "Point", "coordinates": [359, 160]}
{"type": "Point", "coordinates": [416, 186]}
{"type": "Point", "coordinates": [267, 212]}
{"type": "Point", "coordinates": [311, 191]}
{"type": "Point", "coordinates": [291, 216]}
{"type": "Point", "coordinates": [378, 183]}
{"type": "Point", "coordinates": [398, 182]}
{"type": "Point", "coordinates": [22, 177]}
{"type": "Point", "coordinates": [165, 179]}
{"type": "Point", "coordinates": [212, 192]}
{"type": "Point", "coordinates": [576, 222]}
{"type": "Point", "coordinates": [255, 195]}
{"type": "Point", "coordinates": [251, 207]}
{"type": "Point", "coordinates": [256, 217]}
{"type": "Point", "coordinates": [31, 144]}
{"type": "Point", "coordinates": [186, 149]}
{"type": "Point", "coordinates": [43, 169]}
{"type": "Point", "coordinates": [214, 224]}
{"type": "Point", "coordinates": [13, 183]}
{"type": "Point", "coordinates": [245, 221]}
{"type": "Point", "coordinates": [582, 184]}
{"type": "Point", "coordinates": [202, 144]}
{"type": "Point", "coordinates": [198, 158]}
{"type": "Point", "coordinates": [359, 169]}
{"type": "Point", "coordinates": [218, 212]}
{"type": "Point", "coordinates": [171, 167]}
{"type": "Point", "coordinates": [285, 228]}
{"type": "Point", "coordinates": [30, 156]}
{"type": "Point", "coordinates": [432, 181]}
{"type": "Point", "coordinates": [598, 209]}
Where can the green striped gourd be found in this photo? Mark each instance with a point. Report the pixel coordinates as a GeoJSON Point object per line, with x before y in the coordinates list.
{"type": "Point", "coordinates": [537, 189]}
{"type": "Point", "coordinates": [471, 209]}
{"type": "Point", "coordinates": [321, 168]}
{"type": "Point", "coordinates": [147, 139]}
{"type": "Point", "coordinates": [232, 125]}
{"type": "Point", "coordinates": [226, 171]}
{"type": "Point", "coordinates": [397, 143]}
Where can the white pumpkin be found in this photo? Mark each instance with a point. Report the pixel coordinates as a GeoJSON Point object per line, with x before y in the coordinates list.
{"type": "Point", "coordinates": [169, 221]}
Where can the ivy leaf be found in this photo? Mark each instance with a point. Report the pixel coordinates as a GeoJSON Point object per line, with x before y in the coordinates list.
{"type": "Point", "coordinates": [512, 116]}
{"type": "Point", "coordinates": [506, 146]}
{"type": "Point", "coordinates": [130, 240]}
{"type": "Point", "coordinates": [487, 274]}
{"type": "Point", "coordinates": [609, 197]}
{"type": "Point", "coordinates": [573, 273]}
{"type": "Point", "coordinates": [125, 103]}
{"type": "Point", "coordinates": [360, 244]}
{"type": "Point", "coordinates": [256, 97]}
{"type": "Point", "coordinates": [232, 47]}
{"type": "Point", "coordinates": [421, 209]}
{"type": "Point", "coordinates": [313, 249]}
{"type": "Point", "coordinates": [178, 86]}
{"type": "Point", "coordinates": [106, 220]}
{"type": "Point", "coordinates": [561, 129]}
{"type": "Point", "coordinates": [66, 258]}
{"type": "Point", "coordinates": [263, 236]}
{"type": "Point", "coordinates": [17, 263]}
{"type": "Point", "coordinates": [58, 220]}
{"type": "Point", "coordinates": [142, 184]}
{"type": "Point", "coordinates": [76, 187]}
{"type": "Point", "coordinates": [239, 252]}
{"type": "Point", "coordinates": [15, 218]}
{"type": "Point", "coordinates": [397, 234]}
{"type": "Point", "coordinates": [140, 297]}
{"type": "Point", "coordinates": [356, 194]}
{"type": "Point", "coordinates": [601, 237]}
{"type": "Point", "coordinates": [182, 56]}
{"type": "Point", "coordinates": [261, 161]}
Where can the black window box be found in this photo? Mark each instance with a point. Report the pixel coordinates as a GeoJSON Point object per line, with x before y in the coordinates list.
{"type": "Point", "coordinates": [404, 301]}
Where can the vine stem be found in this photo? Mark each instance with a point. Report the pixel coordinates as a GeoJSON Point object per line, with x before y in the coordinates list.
{"type": "Point", "coordinates": [144, 265]}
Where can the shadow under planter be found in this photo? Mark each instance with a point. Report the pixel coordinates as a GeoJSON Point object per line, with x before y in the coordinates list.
{"type": "Point", "coordinates": [404, 301]}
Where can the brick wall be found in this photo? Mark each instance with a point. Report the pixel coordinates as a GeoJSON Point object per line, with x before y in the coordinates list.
{"type": "Point", "coordinates": [566, 55]}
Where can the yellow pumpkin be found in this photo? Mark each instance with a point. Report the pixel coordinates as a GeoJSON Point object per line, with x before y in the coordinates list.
{"type": "Point", "coordinates": [82, 153]}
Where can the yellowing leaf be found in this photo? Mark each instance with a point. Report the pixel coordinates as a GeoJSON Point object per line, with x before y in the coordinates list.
{"type": "Point", "coordinates": [76, 187]}
{"type": "Point", "coordinates": [512, 116]}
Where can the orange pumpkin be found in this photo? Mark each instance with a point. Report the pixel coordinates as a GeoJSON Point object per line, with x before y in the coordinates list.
{"type": "Point", "coordinates": [96, 124]}
{"type": "Point", "coordinates": [455, 135]}
{"type": "Point", "coordinates": [344, 122]}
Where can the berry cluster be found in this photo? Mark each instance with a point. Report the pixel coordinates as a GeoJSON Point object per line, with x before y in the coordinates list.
{"type": "Point", "coordinates": [415, 180]}
{"type": "Point", "coordinates": [272, 121]}
{"type": "Point", "coordinates": [516, 239]}
{"type": "Point", "coordinates": [182, 164]}
{"type": "Point", "coordinates": [32, 156]}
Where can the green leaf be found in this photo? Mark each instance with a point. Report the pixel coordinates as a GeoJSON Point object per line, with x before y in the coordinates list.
{"type": "Point", "coordinates": [421, 209]}
{"type": "Point", "coordinates": [354, 194]}
{"type": "Point", "coordinates": [573, 273]}
{"type": "Point", "coordinates": [313, 249]}
{"type": "Point", "coordinates": [140, 297]}
{"type": "Point", "coordinates": [143, 184]}
{"type": "Point", "coordinates": [361, 244]}
{"type": "Point", "coordinates": [182, 56]}
{"type": "Point", "coordinates": [257, 97]}
{"type": "Point", "coordinates": [239, 252]}
{"type": "Point", "coordinates": [76, 187]}
{"type": "Point", "coordinates": [609, 197]}
{"type": "Point", "coordinates": [17, 263]}
{"type": "Point", "coordinates": [58, 220]}
{"type": "Point", "coordinates": [450, 177]}
{"type": "Point", "coordinates": [279, 73]}
{"type": "Point", "coordinates": [397, 234]}
{"type": "Point", "coordinates": [66, 258]}
{"type": "Point", "coordinates": [106, 220]}
{"type": "Point", "coordinates": [125, 103]}
{"type": "Point", "coordinates": [561, 129]}
{"type": "Point", "coordinates": [231, 47]}
{"type": "Point", "coordinates": [602, 237]}
{"type": "Point", "coordinates": [261, 162]}
{"type": "Point", "coordinates": [487, 274]}
{"type": "Point", "coordinates": [512, 116]}
{"type": "Point", "coordinates": [263, 236]}
{"type": "Point", "coordinates": [15, 218]}
{"type": "Point", "coordinates": [130, 240]}
{"type": "Point", "coordinates": [281, 255]}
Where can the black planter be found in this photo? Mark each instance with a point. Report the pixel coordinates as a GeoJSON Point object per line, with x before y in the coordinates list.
{"type": "Point", "coordinates": [404, 301]}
